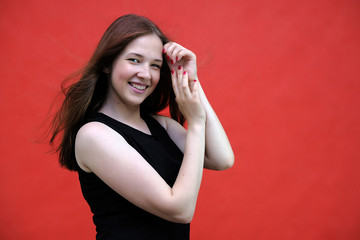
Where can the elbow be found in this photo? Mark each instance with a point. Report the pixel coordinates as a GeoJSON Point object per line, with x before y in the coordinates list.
{"type": "Point", "coordinates": [230, 162]}
{"type": "Point", "coordinates": [225, 163]}
{"type": "Point", "coordinates": [187, 219]}
{"type": "Point", "coordinates": [177, 209]}
{"type": "Point", "coordinates": [220, 162]}
{"type": "Point", "coordinates": [183, 214]}
{"type": "Point", "coordinates": [184, 218]}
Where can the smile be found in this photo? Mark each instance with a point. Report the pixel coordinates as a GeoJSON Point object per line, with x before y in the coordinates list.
{"type": "Point", "coordinates": [138, 86]}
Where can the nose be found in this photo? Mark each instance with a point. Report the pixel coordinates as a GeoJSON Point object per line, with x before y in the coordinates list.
{"type": "Point", "coordinates": [144, 72]}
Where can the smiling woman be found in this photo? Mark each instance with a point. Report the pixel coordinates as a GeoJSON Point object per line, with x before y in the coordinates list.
{"type": "Point", "coordinates": [140, 172]}
{"type": "Point", "coordinates": [135, 74]}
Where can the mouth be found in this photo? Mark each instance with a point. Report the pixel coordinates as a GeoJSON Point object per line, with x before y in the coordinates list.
{"type": "Point", "coordinates": [138, 86]}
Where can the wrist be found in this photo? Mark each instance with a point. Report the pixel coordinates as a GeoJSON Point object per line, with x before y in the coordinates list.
{"type": "Point", "coordinates": [197, 124]}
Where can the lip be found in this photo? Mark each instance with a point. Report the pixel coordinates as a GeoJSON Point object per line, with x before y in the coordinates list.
{"type": "Point", "coordinates": [137, 90]}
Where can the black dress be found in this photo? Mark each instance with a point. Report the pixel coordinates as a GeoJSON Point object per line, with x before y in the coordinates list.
{"type": "Point", "coordinates": [114, 216]}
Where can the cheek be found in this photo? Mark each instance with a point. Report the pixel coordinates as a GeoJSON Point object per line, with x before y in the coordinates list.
{"type": "Point", "coordinates": [120, 73]}
{"type": "Point", "coordinates": [156, 77]}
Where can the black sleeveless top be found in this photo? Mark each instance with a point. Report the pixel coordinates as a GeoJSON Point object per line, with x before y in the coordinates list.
{"type": "Point", "coordinates": [114, 216]}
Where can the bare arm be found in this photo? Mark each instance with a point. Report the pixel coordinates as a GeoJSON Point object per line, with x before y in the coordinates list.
{"type": "Point", "coordinates": [218, 151]}
{"type": "Point", "coordinates": [101, 150]}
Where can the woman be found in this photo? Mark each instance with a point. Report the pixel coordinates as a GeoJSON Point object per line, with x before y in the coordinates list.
{"type": "Point", "coordinates": [140, 172]}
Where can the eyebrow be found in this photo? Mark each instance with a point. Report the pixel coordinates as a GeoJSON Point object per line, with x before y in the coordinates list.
{"type": "Point", "coordinates": [141, 56]}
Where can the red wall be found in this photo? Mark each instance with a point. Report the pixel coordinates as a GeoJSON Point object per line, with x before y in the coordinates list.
{"type": "Point", "coordinates": [282, 75]}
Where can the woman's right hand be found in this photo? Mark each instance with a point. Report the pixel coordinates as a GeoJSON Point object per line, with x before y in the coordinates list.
{"type": "Point", "coordinates": [188, 99]}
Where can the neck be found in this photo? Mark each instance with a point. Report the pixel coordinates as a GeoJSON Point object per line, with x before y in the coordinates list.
{"type": "Point", "coordinates": [121, 112]}
{"type": "Point", "coordinates": [130, 117]}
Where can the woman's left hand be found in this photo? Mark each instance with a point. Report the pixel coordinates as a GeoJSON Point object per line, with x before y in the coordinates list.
{"type": "Point", "coordinates": [177, 55]}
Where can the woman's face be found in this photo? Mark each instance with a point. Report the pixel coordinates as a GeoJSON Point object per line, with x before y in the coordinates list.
{"type": "Point", "coordinates": [136, 71]}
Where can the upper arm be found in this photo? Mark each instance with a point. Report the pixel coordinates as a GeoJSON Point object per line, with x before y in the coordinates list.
{"type": "Point", "coordinates": [178, 134]}
{"type": "Point", "coordinates": [176, 131]}
{"type": "Point", "coordinates": [101, 150]}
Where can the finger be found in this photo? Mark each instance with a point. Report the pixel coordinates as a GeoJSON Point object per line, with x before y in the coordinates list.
{"type": "Point", "coordinates": [184, 89]}
{"type": "Point", "coordinates": [179, 73]}
{"type": "Point", "coordinates": [174, 83]}
{"type": "Point", "coordinates": [195, 88]}
{"type": "Point", "coordinates": [186, 55]}
{"type": "Point", "coordinates": [167, 50]}
{"type": "Point", "coordinates": [177, 51]}
{"type": "Point", "coordinates": [191, 85]}
{"type": "Point", "coordinates": [175, 54]}
{"type": "Point", "coordinates": [170, 49]}
{"type": "Point", "coordinates": [167, 45]}
{"type": "Point", "coordinates": [167, 60]}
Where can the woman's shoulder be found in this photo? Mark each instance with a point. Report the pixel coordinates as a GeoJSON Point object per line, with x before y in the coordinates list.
{"type": "Point", "coordinates": [96, 133]}
{"type": "Point", "coordinates": [167, 122]}
{"type": "Point", "coordinates": [88, 136]}
{"type": "Point", "coordinates": [95, 138]}
{"type": "Point", "coordinates": [161, 119]}
{"type": "Point", "coordinates": [174, 129]}
{"type": "Point", "coordinates": [92, 129]}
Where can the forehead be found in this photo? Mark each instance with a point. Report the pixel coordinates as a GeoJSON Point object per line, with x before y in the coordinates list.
{"type": "Point", "coordinates": [147, 45]}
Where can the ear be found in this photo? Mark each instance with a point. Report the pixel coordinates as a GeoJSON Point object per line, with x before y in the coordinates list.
{"type": "Point", "coordinates": [106, 70]}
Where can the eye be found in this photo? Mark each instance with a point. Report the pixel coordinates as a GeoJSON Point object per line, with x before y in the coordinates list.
{"type": "Point", "coordinates": [134, 60]}
{"type": "Point", "coordinates": [156, 66]}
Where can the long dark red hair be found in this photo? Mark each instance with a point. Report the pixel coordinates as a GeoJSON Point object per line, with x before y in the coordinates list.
{"type": "Point", "coordinates": [85, 97]}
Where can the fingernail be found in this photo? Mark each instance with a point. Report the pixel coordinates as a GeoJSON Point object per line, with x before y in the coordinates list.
{"type": "Point", "coordinates": [172, 62]}
{"type": "Point", "coordinates": [167, 57]}
{"type": "Point", "coordinates": [177, 58]}
{"type": "Point", "coordinates": [172, 71]}
{"type": "Point", "coordinates": [164, 50]}
{"type": "Point", "coordinates": [184, 72]}
{"type": "Point", "coordinates": [179, 67]}
{"type": "Point", "coordinates": [195, 80]}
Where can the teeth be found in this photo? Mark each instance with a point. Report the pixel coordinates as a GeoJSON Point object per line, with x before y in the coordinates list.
{"type": "Point", "coordinates": [137, 86]}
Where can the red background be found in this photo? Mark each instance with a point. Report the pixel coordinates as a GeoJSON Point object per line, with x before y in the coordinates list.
{"type": "Point", "coordinates": [282, 75]}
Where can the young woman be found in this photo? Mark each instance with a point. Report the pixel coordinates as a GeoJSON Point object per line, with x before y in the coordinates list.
{"type": "Point", "coordinates": [140, 172]}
